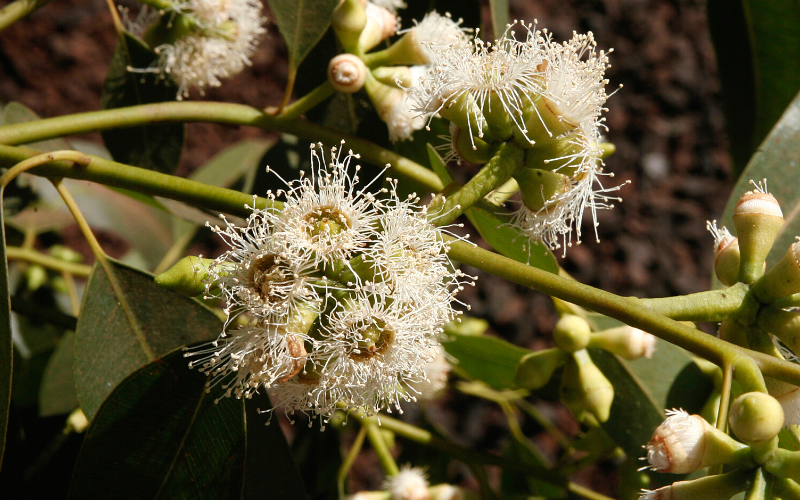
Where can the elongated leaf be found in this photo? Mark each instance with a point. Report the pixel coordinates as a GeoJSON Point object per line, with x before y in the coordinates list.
{"type": "Point", "coordinates": [57, 393]}
{"type": "Point", "coordinates": [778, 161]}
{"type": "Point", "coordinates": [499, 13]}
{"type": "Point", "coordinates": [488, 359]}
{"type": "Point", "coordinates": [758, 55]}
{"type": "Point", "coordinates": [161, 435]}
{"type": "Point", "coordinates": [15, 112]}
{"type": "Point", "coordinates": [127, 321]}
{"type": "Point", "coordinates": [6, 345]}
{"type": "Point", "coordinates": [155, 147]}
{"type": "Point", "coordinates": [302, 24]}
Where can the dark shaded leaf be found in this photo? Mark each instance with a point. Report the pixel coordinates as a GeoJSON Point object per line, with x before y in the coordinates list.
{"type": "Point", "coordinates": [6, 345]}
{"type": "Point", "coordinates": [161, 435]}
{"type": "Point", "coordinates": [15, 112]}
{"type": "Point", "coordinates": [302, 24]}
{"type": "Point", "coordinates": [127, 321]}
{"type": "Point", "coordinates": [155, 147]}
{"type": "Point", "coordinates": [319, 457]}
{"type": "Point", "coordinates": [758, 56]}
{"type": "Point", "coordinates": [778, 161]}
{"type": "Point", "coordinates": [488, 359]}
{"type": "Point", "coordinates": [57, 393]}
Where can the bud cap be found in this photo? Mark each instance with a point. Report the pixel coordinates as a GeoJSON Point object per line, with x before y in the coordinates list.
{"type": "Point", "coordinates": [756, 417]}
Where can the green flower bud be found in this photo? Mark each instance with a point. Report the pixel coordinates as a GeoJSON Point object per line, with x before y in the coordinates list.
{"type": "Point", "coordinates": [348, 21]}
{"type": "Point", "coordinates": [188, 276]}
{"type": "Point", "coordinates": [758, 220]}
{"type": "Point", "coordinates": [716, 487]}
{"type": "Point", "coordinates": [756, 417]}
{"type": "Point", "coordinates": [470, 148]}
{"type": "Point", "coordinates": [726, 254]}
{"type": "Point", "coordinates": [585, 388]}
{"type": "Point", "coordinates": [67, 254]}
{"type": "Point", "coordinates": [783, 324]}
{"type": "Point", "coordinates": [381, 24]}
{"type": "Point", "coordinates": [537, 187]}
{"type": "Point", "coordinates": [782, 280]}
{"type": "Point", "coordinates": [35, 276]}
{"type": "Point", "coordinates": [536, 369]}
{"type": "Point", "coordinates": [390, 75]}
{"type": "Point", "coordinates": [571, 333]}
{"type": "Point", "coordinates": [626, 341]}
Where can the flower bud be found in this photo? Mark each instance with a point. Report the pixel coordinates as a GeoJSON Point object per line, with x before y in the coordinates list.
{"type": "Point", "coordinates": [395, 75]}
{"type": "Point", "coordinates": [782, 280]}
{"type": "Point", "coordinates": [408, 484]}
{"type": "Point", "coordinates": [534, 370]}
{"type": "Point", "coordinates": [626, 341]}
{"type": "Point", "coordinates": [571, 333]}
{"type": "Point", "coordinates": [783, 324]}
{"type": "Point", "coordinates": [758, 219]}
{"type": "Point", "coordinates": [788, 396]}
{"type": "Point", "coordinates": [585, 388]}
{"type": "Point", "coordinates": [380, 25]}
{"type": "Point", "coordinates": [348, 21]}
{"type": "Point", "coordinates": [726, 254]}
{"type": "Point", "coordinates": [390, 103]}
{"type": "Point", "coordinates": [537, 187]}
{"type": "Point", "coordinates": [187, 276]}
{"type": "Point", "coordinates": [35, 276]}
{"type": "Point", "coordinates": [756, 417]}
{"type": "Point", "coordinates": [715, 487]}
{"type": "Point", "coordinates": [347, 73]}
{"type": "Point", "coordinates": [684, 443]}
{"type": "Point", "coordinates": [417, 44]}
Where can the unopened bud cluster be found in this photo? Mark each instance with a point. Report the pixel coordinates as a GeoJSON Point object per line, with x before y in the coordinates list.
{"type": "Point", "coordinates": [200, 42]}
{"type": "Point", "coordinates": [338, 297]}
{"type": "Point", "coordinates": [584, 388]}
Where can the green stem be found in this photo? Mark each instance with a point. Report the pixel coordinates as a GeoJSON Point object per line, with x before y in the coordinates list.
{"type": "Point", "coordinates": [350, 459]}
{"type": "Point", "coordinates": [377, 58]}
{"type": "Point", "coordinates": [379, 446]}
{"type": "Point", "coordinates": [507, 160]}
{"type": "Point", "coordinates": [714, 305]}
{"type": "Point", "coordinates": [15, 11]}
{"type": "Point", "coordinates": [784, 463]}
{"type": "Point", "coordinates": [43, 260]}
{"type": "Point", "coordinates": [586, 492]}
{"type": "Point", "coordinates": [307, 102]}
{"type": "Point", "coordinates": [760, 486]}
{"type": "Point", "coordinates": [628, 311]}
{"type": "Point", "coordinates": [215, 112]}
{"type": "Point", "coordinates": [138, 179]}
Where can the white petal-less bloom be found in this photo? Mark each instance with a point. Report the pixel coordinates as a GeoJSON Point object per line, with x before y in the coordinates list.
{"type": "Point", "coordinates": [473, 72]}
{"type": "Point", "coordinates": [410, 483]}
{"type": "Point", "coordinates": [390, 5]}
{"type": "Point", "coordinates": [225, 36]}
{"type": "Point", "coordinates": [437, 372]}
{"type": "Point", "coordinates": [436, 32]}
{"type": "Point", "coordinates": [678, 444]}
{"type": "Point", "coordinates": [325, 218]}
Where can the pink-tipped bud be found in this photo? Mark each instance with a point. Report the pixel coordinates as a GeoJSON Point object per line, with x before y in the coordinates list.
{"type": "Point", "coordinates": [782, 280]}
{"type": "Point", "coordinates": [381, 24]}
{"type": "Point", "coordinates": [758, 219]}
{"type": "Point", "coordinates": [408, 484]}
{"type": "Point", "coordinates": [726, 254]}
{"type": "Point", "coordinates": [626, 341]}
{"type": "Point", "coordinates": [347, 73]}
{"type": "Point", "coordinates": [684, 443]}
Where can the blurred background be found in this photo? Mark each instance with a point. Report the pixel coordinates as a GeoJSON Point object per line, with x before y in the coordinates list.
{"type": "Point", "coordinates": [666, 122]}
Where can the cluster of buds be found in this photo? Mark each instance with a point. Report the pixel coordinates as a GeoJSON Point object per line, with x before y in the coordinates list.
{"type": "Point", "coordinates": [544, 97]}
{"type": "Point", "coordinates": [337, 298]}
{"type": "Point", "coordinates": [200, 42]}
{"type": "Point", "coordinates": [770, 328]}
{"type": "Point", "coordinates": [686, 443]}
{"type": "Point", "coordinates": [584, 388]}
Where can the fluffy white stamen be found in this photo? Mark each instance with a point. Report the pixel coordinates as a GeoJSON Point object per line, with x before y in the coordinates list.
{"type": "Point", "coordinates": [410, 483]}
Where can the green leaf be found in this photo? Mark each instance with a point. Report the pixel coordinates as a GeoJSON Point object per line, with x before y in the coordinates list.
{"type": "Point", "coordinates": [509, 241]}
{"type": "Point", "coordinates": [302, 24]}
{"type": "Point", "coordinates": [6, 345]}
{"type": "Point", "coordinates": [155, 147]}
{"type": "Point", "coordinates": [319, 457]}
{"type": "Point", "coordinates": [778, 161]}
{"type": "Point", "coordinates": [15, 112]}
{"type": "Point", "coordinates": [500, 17]}
{"type": "Point", "coordinates": [57, 394]}
{"type": "Point", "coordinates": [758, 56]}
{"type": "Point", "coordinates": [488, 359]}
{"type": "Point", "coordinates": [161, 435]}
{"type": "Point", "coordinates": [127, 321]}
{"type": "Point", "coordinates": [232, 163]}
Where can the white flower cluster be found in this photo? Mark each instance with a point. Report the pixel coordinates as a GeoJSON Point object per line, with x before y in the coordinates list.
{"type": "Point", "coordinates": [337, 298]}
{"type": "Point", "coordinates": [221, 38]}
{"type": "Point", "coordinates": [553, 96]}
